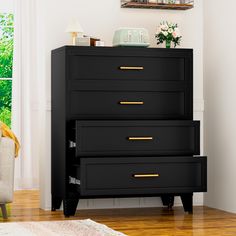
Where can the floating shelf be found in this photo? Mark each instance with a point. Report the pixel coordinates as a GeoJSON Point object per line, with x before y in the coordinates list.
{"type": "Point", "coordinates": [157, 6]}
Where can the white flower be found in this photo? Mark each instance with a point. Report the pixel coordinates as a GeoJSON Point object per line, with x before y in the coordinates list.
{"type": "Point", "coordinates": [164, 27]}
{"type": "Point", "coordinates": [165, 33]}
{"type": "Point", "coordinates": [170, 30]}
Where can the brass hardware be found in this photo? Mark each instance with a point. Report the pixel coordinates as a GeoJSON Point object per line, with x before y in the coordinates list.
{"type": "Point", "coordinates": [72, 144]}
{"type": "Point", "coordinates": [131, 103]}
{"type": "Point", "coordinates": [139, 138]}
{"type": "Point", "coordinates": [131, 68]}
{"type": "Point", "coordinates": [146, 175]}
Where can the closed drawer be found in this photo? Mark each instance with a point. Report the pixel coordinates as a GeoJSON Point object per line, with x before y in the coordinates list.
{"type": "Point", "coordinates": [105, 138]}
{"type": "Point", "coordinates": [143, 175]}
{"type": "Point", "coordinates": [128, 105]}
{"type": "Point", "coordinates": [101, 67]}
{"type": "Point", "coordinates": [99, 78]}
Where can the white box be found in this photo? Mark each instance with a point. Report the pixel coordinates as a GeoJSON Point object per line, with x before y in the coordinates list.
{"type": "Point", "coordinates": [82, 41]}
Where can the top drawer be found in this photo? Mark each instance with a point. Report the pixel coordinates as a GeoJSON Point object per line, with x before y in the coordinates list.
{"type": "Point", "coordinates": [99, 78]}
{"type": "Point", "coordinates": [127, 67]}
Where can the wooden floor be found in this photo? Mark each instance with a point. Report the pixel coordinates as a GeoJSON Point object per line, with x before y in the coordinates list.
{"type": "Point", "coordinates": [134, 222]}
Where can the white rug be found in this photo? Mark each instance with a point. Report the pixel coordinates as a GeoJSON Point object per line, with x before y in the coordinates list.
{"type": "Point", "coordinates": [53, 228]}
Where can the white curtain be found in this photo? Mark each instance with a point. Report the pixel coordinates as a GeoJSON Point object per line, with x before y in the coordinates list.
{"type": "Point", "coordinates": [28, 103]}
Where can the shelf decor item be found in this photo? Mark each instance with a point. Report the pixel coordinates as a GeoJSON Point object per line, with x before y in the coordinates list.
{"type": "Point", "coordinates": [168, 32]}
{"type": "Point", "coordinates": [152, 1]}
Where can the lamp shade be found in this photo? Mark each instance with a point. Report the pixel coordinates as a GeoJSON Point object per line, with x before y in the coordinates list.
{"type": "Point", "coordinates": [74, 26]}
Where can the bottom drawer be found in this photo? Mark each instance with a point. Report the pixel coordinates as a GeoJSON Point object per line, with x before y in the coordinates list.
{"type": "Point", "coordinates": [142, 175]}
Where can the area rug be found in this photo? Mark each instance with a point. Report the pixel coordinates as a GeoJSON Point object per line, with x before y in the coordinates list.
{"type": "Point", "coordinates": [61, 228]}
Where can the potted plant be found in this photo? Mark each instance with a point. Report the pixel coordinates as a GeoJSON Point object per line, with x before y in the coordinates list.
{"type": "Point", "coordinates": [168, 32]}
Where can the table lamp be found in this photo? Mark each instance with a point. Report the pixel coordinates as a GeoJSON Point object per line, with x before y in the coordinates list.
{"type": "Point", "coordinates": [74, 28]}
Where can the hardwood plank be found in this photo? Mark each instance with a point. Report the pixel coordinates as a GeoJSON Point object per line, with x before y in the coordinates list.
{"type": "Point", "coordinates": [133, 222]}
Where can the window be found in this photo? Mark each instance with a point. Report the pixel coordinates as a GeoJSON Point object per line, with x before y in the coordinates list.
{"type": "Point", "coordinates": [6, 62]}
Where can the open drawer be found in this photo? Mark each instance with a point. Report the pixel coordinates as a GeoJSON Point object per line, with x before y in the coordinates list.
{"type": "Point", "coordinates": [137, 138]}
{"type": "Point", "coordinates": [142, 175]}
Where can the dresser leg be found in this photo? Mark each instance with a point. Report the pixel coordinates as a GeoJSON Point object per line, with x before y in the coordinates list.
{"type": "Point", "coordinates": [4, 211]}
{"type": "Point", "coordinates": [56, 203]}
{"type": "Point", "coordinates": [69, 206]}
{"type": "Point", "coordinates": [187, 201]}
{"type": "Point", "coordinates": [168, 200]}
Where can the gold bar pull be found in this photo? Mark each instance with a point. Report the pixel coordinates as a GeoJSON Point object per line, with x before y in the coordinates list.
{"type": "Point", "coordinates": [131, 103]}
{"type": "Point", "coordinates": [131, 68]}
{"type": "Point", "coordinates": [146, 175]}
{"type": "Point", "coordinates": [140, 138]}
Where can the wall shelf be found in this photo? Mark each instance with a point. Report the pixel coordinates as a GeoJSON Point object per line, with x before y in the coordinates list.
{"type": "Point", "coordinates": [157, 6]}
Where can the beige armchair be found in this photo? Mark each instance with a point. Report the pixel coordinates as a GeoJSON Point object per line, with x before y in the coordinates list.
{"type": "Point", "coordinates": [7, 159]}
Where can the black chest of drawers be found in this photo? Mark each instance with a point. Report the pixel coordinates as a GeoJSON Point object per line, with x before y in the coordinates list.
{"type": "Point", "coordinates": [122, 125]}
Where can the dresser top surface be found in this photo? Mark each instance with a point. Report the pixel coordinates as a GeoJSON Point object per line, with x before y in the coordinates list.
{"type": "Point", "coordinates": [132, 51]}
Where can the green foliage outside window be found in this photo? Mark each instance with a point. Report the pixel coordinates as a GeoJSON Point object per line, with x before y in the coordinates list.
{"type": "Point", "coordinates": [6, 61]}
{"type": "Point", "coordinates": [6, 45]}
{"type": "Point", "coordinates": [5, 101]}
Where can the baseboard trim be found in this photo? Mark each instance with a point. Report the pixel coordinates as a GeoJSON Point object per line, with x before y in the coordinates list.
{"type": "Point", "coordinates": [117, 203]}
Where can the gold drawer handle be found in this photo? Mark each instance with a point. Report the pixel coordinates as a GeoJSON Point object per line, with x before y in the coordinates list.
{"type": "Point", "coordinates": [139, 138]}
{"type": "Point", "coordinates": [146, 175]}
{"type": "Point", "coordinates": [131, 103]}
{"type": "Point", "coordinates": [131, 68]}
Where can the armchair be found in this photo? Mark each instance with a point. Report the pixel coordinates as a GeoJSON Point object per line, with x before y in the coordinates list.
{"type": "Point", "coordinates": [7, 159]}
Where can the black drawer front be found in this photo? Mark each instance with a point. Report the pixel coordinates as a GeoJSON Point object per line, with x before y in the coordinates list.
{"type": "Point", "coordinates": [128, 105]}
{"type": "Point", "coordinates": [105, 138]}
{"type": "Point", "coordinates": [143, 175]}
{"type": "Point", "coordinates": [98, 79]}
{"type": "Point", "coordinates": [127, 68]}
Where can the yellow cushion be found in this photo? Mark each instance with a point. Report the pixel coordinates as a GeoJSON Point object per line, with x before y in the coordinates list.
{"type": "Point", "coordinates": [6, 132]}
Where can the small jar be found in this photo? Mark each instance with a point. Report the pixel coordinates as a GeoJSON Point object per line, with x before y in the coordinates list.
{"type": "Point", "coordinates": [152, 1]}
{"type": "Point", "coordinates": [143, 1]}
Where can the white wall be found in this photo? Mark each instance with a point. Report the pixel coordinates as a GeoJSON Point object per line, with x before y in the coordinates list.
{"type": "Point", "coordinates": [220, 100]}
{"type": "Point", "coordinates": [101, 18]}
{"type": "Point", "coordinates": [6, 6]}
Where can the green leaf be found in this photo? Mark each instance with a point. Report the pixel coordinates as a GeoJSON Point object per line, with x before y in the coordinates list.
{"type": "Point", "coordinates": [6, 45]}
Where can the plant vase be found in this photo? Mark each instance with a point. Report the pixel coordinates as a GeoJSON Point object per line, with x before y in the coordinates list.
{"type": "Point", "coordinates": [168, 43]}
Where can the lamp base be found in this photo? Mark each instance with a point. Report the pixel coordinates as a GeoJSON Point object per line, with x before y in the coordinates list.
{"type": "Point", "coordinates": [74, 36]}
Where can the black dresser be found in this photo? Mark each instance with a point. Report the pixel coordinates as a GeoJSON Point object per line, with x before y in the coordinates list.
{"type": "Point", "coordinates": [122, 125]}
